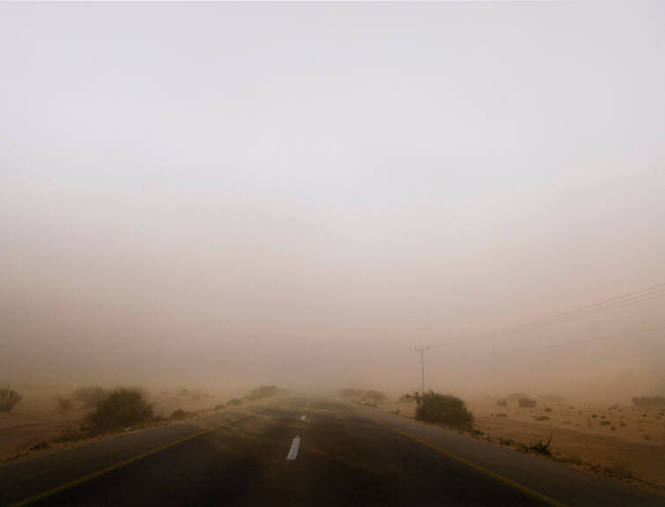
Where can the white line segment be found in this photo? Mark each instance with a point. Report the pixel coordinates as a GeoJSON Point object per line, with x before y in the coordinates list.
{"type": "Point", "coordinates": [293, 452]}
{"type": "Point", "coordinates": [303, 417]}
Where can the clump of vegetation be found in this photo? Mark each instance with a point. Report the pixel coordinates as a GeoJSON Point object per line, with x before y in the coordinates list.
{"type": "Point", "coordinates": [90, 397]}
{"type": "Point", "coordinates": [526, 403]}
{"type": "Point", "coordinates": [501, 414]}
{"type": "Point", "coordinates": [548, 409]}
{"type": "Point", "coordinates": [64, 403]}
{"type": "Point", "coordinates": [122, 408]}
{"type": "Point", "coordinates": [69, 434]}
{"type": "Point", "coordinates": [553, 398]}
{"type": "Point", "coordinates": [502, 402]}
{"type": "Point", "coordinates": [263, 392]}
{"type": "Point", "coordinates": [352, 392]}
{"type": "Point", "coordinates": [573, 459]}
{"type": "Point", "coordinates": [646, 437]}
{"type": "Point", "coordinates": [234, 401]}
{"type": "Point", "coordinates": [444, 408]}
{"type": "Point", "coordinates": [374, 397]}
{"type": "Point", "coordinates": [620, 470]}
{"type": "Point", "coordinates": [605, 422]}
{"type": "Point", "coordinates": [180, 414]}
{"type": "Point", "coordinates": [9, 398]}
{"type": "Point", "coordinates": [542, 447]}
{"type": "Point", "coordinates": [648, 401]}
{"type": "Point", "coordinates": [542, 418]}
{"type": "Point", "coordinates": [219, 407]}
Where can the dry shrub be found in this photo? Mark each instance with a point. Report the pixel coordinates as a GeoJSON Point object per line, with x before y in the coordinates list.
{"type": "Point", "coordinates": [90, 396]}
{"type": "Point", "coordinates": [8, 399]}
{"type": "Point", "coordinates": [444, 408]}
{"type": "Point", "coordinates": [123, 407]}
{"type": "Point", "coordinates": [526, 403]}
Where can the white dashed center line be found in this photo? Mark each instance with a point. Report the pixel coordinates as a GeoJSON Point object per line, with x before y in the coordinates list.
{"type": "Point", "coordinates": [293, 452]}
{"type": "Point", "coordinates": [303, 417]}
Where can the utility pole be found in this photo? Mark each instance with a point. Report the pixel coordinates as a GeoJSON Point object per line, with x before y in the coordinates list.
{"type": "Point", "coordinates": [422, 349]}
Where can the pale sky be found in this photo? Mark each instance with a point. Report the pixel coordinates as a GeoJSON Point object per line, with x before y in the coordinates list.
{"type": "Point", "coordinates": [300, 193]}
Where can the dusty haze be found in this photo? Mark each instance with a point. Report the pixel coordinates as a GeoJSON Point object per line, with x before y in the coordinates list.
{"type": "Point", "coordinates": [227, 195]}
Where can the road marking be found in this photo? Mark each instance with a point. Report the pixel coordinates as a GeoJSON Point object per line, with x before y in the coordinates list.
{"type": "Point", "coordinates": [86, 478]}
{"type": "Point", "coordinates": [303, 417]}
{"type": "Point", "coordinates": [531, 492]}
{"type": "Point", "coordinates": [293, 451]}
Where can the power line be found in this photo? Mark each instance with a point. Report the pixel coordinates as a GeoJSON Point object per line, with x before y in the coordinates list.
{"type": "Point", "coordinates": [616, 302]}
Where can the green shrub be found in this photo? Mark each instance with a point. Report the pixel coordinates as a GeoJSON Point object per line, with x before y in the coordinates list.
{"type": "Point", "coordinates": [542, 447]}
{"type": "Point", "coordinates": [444, 408]}
{"type": "Point", "coordinates": [219, 407]}
{"type": "Point", "coordinates": [234, 401]}
{"type": "Point", "coordinates": [8, 399]}
{"type": "Point", "coordinates": [122, 408]}
{"type": "Point", "coordinates": [502, 402]}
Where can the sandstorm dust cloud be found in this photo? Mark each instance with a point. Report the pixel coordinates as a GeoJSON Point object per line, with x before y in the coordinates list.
{"type": "Point", "coordinates": [299, 194]}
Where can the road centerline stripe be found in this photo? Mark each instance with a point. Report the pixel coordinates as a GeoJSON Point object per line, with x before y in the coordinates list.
{"type": "Point", "coordinates": [303, 417]}
{"type": "Point", "coordinates": [293, 451]}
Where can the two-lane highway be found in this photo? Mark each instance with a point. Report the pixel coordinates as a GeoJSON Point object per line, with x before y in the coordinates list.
{"type": "Point", "coordinates": [282, 453]}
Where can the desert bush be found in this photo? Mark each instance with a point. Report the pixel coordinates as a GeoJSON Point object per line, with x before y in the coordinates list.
{"type": "Point", "coordinates": [374, 397]}
{"type": "Point", "coordinates": [502, 402]}
{"type": "Point", "coordinates": [408, 397]}
{"type": "Point", "coordinates": [648, 401]}
{"type": "Point", "coordinates": [605, 422]}
{"type": "Point", "coordinates": [69, 434]}
{"type": "Point", "coordinates": [573, 459]}
{"type": "Point", "coordinates": [526, 403]}
{"type": "Point", "coordinates": [351, 392]}
{"type": "Point", "coordinates": [444, 408]}
{"type": "Point", "coordinates": [122, 408]}
{"type": "Point", "coordinates": [179, 414]}
{"type": "Point", "coordinates": [548, 409]}
{"type": "Point", "coordinates": [619, 469]}
{"type": "Point", "coordinates": [542, 447]}
{"type": "Point", "coordinates": [501, 414]}
{"type": "Point", "coordinates": [91, 396]}
{"type": "Point", "coordinates": [219, 407]}
{"type": "Point", "coordinates": [8, 399]}
{"type": "Point", "coordinates": [64, 403]}
{"type": "Point", "coordinates": [262, 392]}
{"type": "Point", "coordinates": [542, 418]}
{"type": "Point", "coordinates": [234, 401]}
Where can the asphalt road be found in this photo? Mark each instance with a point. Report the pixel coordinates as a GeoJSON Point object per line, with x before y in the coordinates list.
{"type": "Point", "coordinates": [346, 456]}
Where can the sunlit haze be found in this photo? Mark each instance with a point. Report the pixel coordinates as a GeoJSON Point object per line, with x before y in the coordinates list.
{"type": "Point", "coordinates": [300, 194]}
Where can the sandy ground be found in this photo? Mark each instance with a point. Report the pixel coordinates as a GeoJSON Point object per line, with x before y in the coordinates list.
{"type": "Point", "coordinates": [630, 445]}
{"type": "Point", "coordinates": [36, 419]}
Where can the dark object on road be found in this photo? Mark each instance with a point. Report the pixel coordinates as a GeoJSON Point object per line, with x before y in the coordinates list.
{"type": "Point", "coordinates": [8, 399]}
{"type": "Point", "coordinates": [444, 408]}
{"type": "Point", "coordinates": [122, 408]}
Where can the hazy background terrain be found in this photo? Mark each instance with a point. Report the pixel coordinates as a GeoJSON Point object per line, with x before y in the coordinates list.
{"type": "Point", "coordinates": [228, 195]}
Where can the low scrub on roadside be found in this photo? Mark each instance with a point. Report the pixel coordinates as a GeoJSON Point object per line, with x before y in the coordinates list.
{"type": "Point", "coordinates": [90, 396]}
{"type": "Point", "coordinates": [648, 401]}
{"type": "Point", "coordinates": [123, 407]}
{"type": "Point", "coordinates": [444, 408]}
{"type": "Point", "coordinates": [263, 392]}
{"type": "Point", "coordinates": [526, 403]}
{"type": "Point", "coordinates": [9, 398]}
{"type": "Point", "coordinates": [234, 401]}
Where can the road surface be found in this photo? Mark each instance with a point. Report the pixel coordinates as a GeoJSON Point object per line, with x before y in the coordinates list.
{"type": "Point", "coordinates": [294, 452]}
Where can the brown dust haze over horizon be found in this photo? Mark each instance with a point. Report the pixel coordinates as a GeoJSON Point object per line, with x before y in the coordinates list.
{"type": "Point", "coordinates": [298, 194]}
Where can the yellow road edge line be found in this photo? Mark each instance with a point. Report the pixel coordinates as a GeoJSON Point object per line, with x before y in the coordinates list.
{"type": "Point", "coordinates": [531, 492]}
{"type": "Point", "coordinates": [86, 478]}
